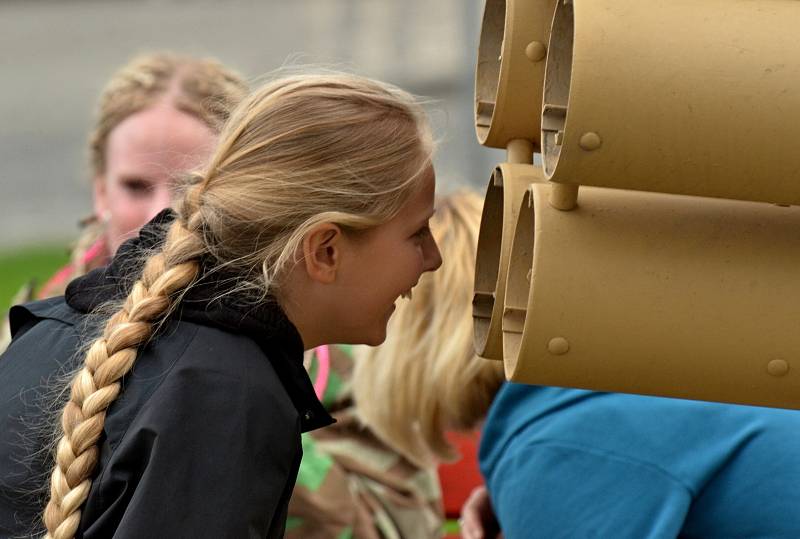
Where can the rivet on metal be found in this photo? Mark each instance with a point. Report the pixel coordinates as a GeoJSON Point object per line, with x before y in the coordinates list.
{"type": "Point", "coordinates": [558, 346]}
{"type": "Point", "coordinates": [590, 141]}
{"type": "Point", "coordinates": [778, 367]}
{"type": "Point", "coordinates": [535, 51]}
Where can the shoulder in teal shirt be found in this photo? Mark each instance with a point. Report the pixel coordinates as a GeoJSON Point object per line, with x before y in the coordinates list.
{"type": "Point", "coordinates": [573, 464]}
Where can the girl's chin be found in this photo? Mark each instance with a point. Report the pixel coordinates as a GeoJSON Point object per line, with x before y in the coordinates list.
{"type": "Point", "coordinates": [377, 340]}
{"type": "Point", "coordinates": [380, 332]}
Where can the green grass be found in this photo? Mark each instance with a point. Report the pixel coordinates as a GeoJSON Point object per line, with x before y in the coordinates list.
{"type": "Point", "coordinates": [451, 527]}
{"type": "Point", "coordinates": [19, 266]}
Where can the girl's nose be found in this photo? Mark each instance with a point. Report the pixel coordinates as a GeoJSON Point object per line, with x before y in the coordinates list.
{"type": "Point", "coordinates": [433, 258]}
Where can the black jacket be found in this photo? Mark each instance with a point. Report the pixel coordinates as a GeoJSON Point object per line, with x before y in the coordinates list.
{"type": "Point", "coordinates": [204, 440]}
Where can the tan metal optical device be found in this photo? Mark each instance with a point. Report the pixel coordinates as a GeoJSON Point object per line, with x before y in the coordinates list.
{"type": "Point", "coordinates": [656, 250]}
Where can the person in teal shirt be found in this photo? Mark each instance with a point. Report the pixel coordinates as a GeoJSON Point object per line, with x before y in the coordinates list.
{"type": "Point", "coordinates": [572, 463]}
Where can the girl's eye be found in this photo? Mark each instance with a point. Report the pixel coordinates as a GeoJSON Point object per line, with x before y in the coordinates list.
{"type": "Point", "coordinates": [136, 186]}
{"type": "Point", "coordinates": [422, 232]}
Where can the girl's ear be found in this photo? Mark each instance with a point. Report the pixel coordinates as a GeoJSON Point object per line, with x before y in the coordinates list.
{"type": "Point", "coordinates": [322, 247]}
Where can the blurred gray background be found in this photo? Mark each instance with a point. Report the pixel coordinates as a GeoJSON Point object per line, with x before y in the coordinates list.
{"type": "Point", "coordinates": [55, 56]}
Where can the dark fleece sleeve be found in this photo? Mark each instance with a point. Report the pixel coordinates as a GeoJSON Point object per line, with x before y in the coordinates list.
{"type": "Point", "coordinates": [212, 453]}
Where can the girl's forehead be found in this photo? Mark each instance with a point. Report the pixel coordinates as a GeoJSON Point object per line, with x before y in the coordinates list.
{"type": "Point", "coordinates": [420, 207]}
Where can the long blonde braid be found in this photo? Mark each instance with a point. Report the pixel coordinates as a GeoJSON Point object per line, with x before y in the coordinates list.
{"type": "Point", "coordinates": [108, 359]}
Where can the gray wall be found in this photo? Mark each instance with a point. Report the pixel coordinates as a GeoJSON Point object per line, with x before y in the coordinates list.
{"type": "Point", "coordinates": [55, 56]}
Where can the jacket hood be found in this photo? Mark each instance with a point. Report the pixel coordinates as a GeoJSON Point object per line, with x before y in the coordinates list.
{"type": "Point", "coordinates": [209, 302]}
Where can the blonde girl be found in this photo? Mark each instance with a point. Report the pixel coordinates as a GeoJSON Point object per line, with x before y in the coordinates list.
{"type": "Point", "coordinates": [157, 117]}
{"type": "Point", "coordinates": [425, 379]}
{"type": "Point", "coordinates": [307, 224]}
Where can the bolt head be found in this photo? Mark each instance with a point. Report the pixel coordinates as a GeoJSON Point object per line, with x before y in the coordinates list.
{"type": "Point", "coordinates": [558, 346]}
{"type": "Point", "coordinates": [536, 51]}
{"type": "Point", "coordinates": [590, 141]}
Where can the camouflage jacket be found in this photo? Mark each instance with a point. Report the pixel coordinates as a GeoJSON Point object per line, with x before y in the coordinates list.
{"type": "Point", "coordinates": [350, 484]}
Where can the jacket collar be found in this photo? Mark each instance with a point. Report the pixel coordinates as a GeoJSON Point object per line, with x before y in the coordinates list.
{"type": "Point", "coordinates": [207, 303]}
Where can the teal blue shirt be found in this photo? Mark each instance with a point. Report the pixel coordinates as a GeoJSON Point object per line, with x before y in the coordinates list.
{"type": "Point", "coordinates": [574, 464]}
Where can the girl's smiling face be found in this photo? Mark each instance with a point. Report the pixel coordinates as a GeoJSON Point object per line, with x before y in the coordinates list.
{"type": "Point", "coordinates": [382, 264]}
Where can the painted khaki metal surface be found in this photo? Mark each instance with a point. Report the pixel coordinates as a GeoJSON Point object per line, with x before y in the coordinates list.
{"type": "Point", "coordinates": [498, 221]}
{"type": "Point", "coordinates": [675, 96]}
{"type": "Point", "coordinates": [510, 70]}
{"type": "Point", "coordinates": [656, 294]}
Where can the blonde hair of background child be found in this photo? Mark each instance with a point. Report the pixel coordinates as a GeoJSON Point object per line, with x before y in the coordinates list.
{"type": "Point", "coordinates": [200, 87]}
{"type": "Point", "coordinates": [299, 151]}
{"type": "Point", "coordinates": [425, 379]}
